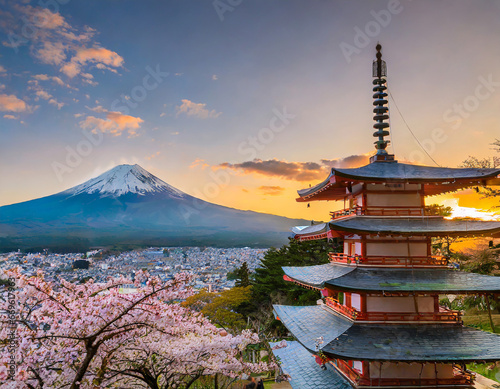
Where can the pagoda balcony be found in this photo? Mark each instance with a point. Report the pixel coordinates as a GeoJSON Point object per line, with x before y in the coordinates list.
{"type": "Point", "coordinates": [350, 313]}
{"type": "Point", "coordinates": [461, 378]}
{"type": "Point", "coordinates": [443, 316]}
{"type": "Point", "coordinates": [346, 212]}
{"type": "Point", "coordinates": [409, 262]}
{"type": "Point", "coordinates": [377, 211]}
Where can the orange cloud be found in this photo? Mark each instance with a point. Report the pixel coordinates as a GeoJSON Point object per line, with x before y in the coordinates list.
{"type": "Point", "coordinates": [115, 124]}
{"type": "Point", "coordinates": [52, 53]}
{"type": "Point", "coordinates": [271, 190]}
{"type": "Point", "coordinates": [196, 109]}
{"type": "Point", "coordinates": [11, 103]}
{"type": "Point", "coordinates": [98, 55]}
{"type": "Point", "coordinates": [103, 58]}
{"type": "Point", "coordinates": [150, 157]}
{"type": "Point", "coordinates": [297, 171]}
{"type": "Point", "coordinates": [43, 18]}
{"type": "Point", "coordinates": [347, 162]}
{"type": "Point", "coordinates": [12, 117]}
{"type": "Point", "coordinates": [199, 162]}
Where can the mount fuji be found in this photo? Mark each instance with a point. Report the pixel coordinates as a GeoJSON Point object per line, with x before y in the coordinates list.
{"type": "Point", "coordinates": [129, 207]}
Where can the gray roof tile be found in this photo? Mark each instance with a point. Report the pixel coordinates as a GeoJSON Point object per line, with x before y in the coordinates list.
{"type": "Point", "coordinates": [305, 373]}
{"type": "Point", "coordinates": [310, 322]}
{"type": "Point", "coordinates": [403, 342]}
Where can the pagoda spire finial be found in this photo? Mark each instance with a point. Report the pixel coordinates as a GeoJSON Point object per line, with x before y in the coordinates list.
{"type": "Point", "coordinates": [379, 71]}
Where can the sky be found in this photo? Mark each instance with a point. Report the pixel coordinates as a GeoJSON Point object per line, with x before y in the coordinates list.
{"type": "Point", "coordinates": [240, 102]}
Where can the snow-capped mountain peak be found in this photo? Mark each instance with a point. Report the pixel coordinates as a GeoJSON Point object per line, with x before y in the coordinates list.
{"type": "Point", "coordinates": [123, 179]}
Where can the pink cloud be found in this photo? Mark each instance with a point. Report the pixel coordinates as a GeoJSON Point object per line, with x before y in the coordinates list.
{"type": "Point", "coordinates": [52, 53]}
{"type": "Point", "coordinates": [196, 109]}
{"type": "Point", "coordinates": [11, 103]}
{"type": "Point", "coordinates": [43, 94]}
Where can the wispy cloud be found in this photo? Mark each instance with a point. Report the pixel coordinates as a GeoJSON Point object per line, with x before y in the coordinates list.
{"type": "Point", "coordinates": [198, 110]}
{"type": "Point", "coordinates": [199, 162]}
{"type": "Point", "coordinates": [154, 155]}
{"type": "Point", "coordinates": [271, 190]}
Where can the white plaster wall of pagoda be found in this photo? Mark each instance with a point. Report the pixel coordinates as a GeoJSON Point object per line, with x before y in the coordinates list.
{"type": "Point", "coordinates": [393, 200]}
{"type": "Point", "coordinates": [410, 370]}
{"type": "Point", "coordinates": [400, 304]}
{"type": "Point", "coordinates": [393, 187]}
{"type": "Point", "coordinates": [356, 301]}
{"type": "Point", "coordinates": [396, 249]}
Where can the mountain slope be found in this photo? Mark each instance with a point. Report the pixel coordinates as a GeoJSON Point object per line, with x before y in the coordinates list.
{"type": "Point", "coordinates": [129, 206]}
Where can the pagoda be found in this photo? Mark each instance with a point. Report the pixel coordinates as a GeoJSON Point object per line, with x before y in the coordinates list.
{"type": "Point", "coordinates": [379, 323]}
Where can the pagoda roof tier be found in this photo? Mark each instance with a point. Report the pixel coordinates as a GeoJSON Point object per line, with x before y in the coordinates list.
{"type": "Point", "coordinates": [303, 370]}
{"type": "Point", "coordinates": [378, 342]}
{"type": "Point", "coordinates": [398, 225]}
{"type": "Point", "coordinates": [316, 276]}
{"type": "Point", "coordinates": [350, 278]}
{"type": "Point", "coordinates": [436, 180]}
{"type": "Point", "coordinates": [415, 225]}
{"type": "Point", "coordinates": [308, 323]}
{"type": "Point", "coordinates": [314, 232]}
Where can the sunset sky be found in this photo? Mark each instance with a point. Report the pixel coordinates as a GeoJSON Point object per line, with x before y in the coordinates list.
{"type": "Point", "coordinates": [240, 102]}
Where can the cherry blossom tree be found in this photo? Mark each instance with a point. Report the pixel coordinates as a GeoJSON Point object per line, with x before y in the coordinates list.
{"type": "Point", "coordinates": [93, 336]}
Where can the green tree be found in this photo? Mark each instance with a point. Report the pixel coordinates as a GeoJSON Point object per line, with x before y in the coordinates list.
{"type": "Point", "coordinates": [484, 261]}
{"type": "Point", "coordinates": [222, 308]}
{"type": "Point", "coordinates": [488, 162]}
{"type": "Point", "coordinates": [438, 210]}
{"type": "Point", "coordinates": [243, 274]}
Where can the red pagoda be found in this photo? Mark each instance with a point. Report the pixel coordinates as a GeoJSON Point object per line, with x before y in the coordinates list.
{"type": "Point", "coordinates": [379, 324]}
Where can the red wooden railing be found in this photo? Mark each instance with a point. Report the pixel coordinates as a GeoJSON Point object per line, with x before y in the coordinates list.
{"type": "Point", "coordinates": [445, 316]}
{"type": "Point", "coordinates": [433, 260]}
{"type": "Point", "coordinates": [394, 211]}
{"type": "Point", "coordinates": [342, 309]}
{"type": "Point", "coordinates": [346, 212]}
{"type": "Point", "coordinates": [378, 211]}
{"type": "Point", "coordinates": [461, 378]}
{"type": "Point", "coordinates": [431, 382]}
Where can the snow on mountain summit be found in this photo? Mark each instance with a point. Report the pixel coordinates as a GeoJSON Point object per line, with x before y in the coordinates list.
{"type": "Point", "coordinates": [124, 179]}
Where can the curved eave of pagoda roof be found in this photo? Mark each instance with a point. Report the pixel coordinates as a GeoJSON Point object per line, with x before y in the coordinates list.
{"type": "Point", "coordinates": [415, 225]}
{"type": "Point", "coordinates": [415, 343]}
{"type": "Point", "coordinates": [316, 276]}
{"type": "Point", "coordinates": [297, 362]}
{"type": "Point", "coordinates": [355, 279]}
{"type": "Point", "coordinates": [377, 342]}
{"type": "Point", "coordinates": [415, 280]}
{"type": "Point", "coordinates": [333, 187]}
{"type": "Point", "coordinates": [308, 323]}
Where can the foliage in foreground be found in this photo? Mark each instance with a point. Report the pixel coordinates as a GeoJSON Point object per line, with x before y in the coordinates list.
{"type": "Point", "coordinates": [222, 307]}
{"type": "Point", "coordinates": [92, 336]}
